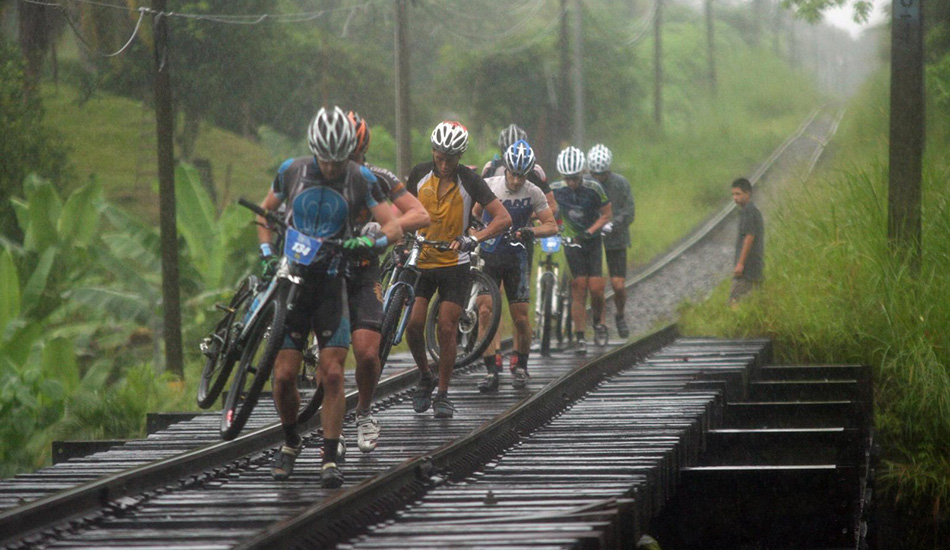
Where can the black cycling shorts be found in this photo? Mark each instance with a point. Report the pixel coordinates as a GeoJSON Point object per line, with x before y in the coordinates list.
{"type": "Point", "coordinates": [452, 282]}
{"type": "Point", "coordinates": [318, 307]}
{"type": "Point", "coordinates": [616, 262]}
{"type": "Point", "coordinates": [513, 271]}
{"type": "Point", "coordinates": [586, 260]}
{"type": "Point", "coordinates": [365, 297]}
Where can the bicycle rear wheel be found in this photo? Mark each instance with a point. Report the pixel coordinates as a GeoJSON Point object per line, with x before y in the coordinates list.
{"type": "Point", "coordinates": [220, 359]}
{"type": "Point", "coordinates": [257, 361]}
{"type": "Point", "coordinates": [471, 343]}
{"type": "Point", "coordinates": [547, 311]}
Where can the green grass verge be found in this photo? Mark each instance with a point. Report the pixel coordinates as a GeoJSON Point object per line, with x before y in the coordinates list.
{"type": "Point", "coordinates": [835, 291]}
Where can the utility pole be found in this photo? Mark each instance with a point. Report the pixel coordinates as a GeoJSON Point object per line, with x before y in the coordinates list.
{"type": "Point", "coordinates": [563, 91]}
{"type": "Point", "coordinates": [907, 130]}
{"type": "Point", "coordinates": [658, 66]}
{"type": "Point", "coordinates": [403, 139]}
{"type": "Point", "coordinates": [711, 47]}
{"type": "Point", "coordinates": [171, 299]}
{"type": "Point", "coordinates": [578, 75]}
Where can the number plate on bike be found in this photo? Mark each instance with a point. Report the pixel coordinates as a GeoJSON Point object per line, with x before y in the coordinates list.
{"type": "Point", "coordinates": [300, 248]}
{"type": "Point", "coordinates": [551, 244]}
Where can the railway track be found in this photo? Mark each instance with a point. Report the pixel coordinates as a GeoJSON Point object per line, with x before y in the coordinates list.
{"type": "Point", "coordinates": [181, 487]}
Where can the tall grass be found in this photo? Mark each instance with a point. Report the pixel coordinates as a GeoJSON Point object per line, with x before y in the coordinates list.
{"type": "Point", "coordinates": [837, 291]}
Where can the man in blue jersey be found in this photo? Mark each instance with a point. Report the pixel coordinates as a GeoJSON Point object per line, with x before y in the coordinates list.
{"type": "Point", "coordinates": [507, 260]}
{"type": "Point", "coordinates": [323, 193]}
{"type": "Point", "coordinates": [585, 209]}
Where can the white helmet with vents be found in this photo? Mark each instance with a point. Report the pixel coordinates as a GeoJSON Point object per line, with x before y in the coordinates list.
{"type": "Point", "coordinates": [599, 158]}
{"type": "Point", "coordinates": [332, 136]}
{"type": "Point", "coordinates": [570, 161]}
{"type": "Point", "coordinates": [450, 137]}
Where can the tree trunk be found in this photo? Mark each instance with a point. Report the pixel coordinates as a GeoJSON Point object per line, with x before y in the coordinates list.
{"type": "Point", "coordinates": [711, 47]}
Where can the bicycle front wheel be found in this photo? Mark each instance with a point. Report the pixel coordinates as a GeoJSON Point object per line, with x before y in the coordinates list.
{"type": "Point", "coordinates": [264, 341]}
{"type": "Point", "coordinates": [220, 357]}
{"type": "Point", "coordinates": [392, 315]}
{"type": "Point", "coordinates": [547, 312]}
{"type": "Point", "coordinates": [470, 341]}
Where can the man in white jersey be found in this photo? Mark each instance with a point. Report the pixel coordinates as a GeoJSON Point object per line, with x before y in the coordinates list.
{"type": "Point", "coordinates": [507, 260]}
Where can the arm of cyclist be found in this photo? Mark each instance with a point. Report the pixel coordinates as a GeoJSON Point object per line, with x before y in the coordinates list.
{"type": "Point", "coordinates": [390, 225]}
{"type": "Point", "coordinates": [265, 235]}
{"type": "Point", "coordinates": [500, 221]}
{"type": "Point", "coordinates": [606, 213]}
{"type": "Point", "coordinates": [412, 215]}
{"type": "Point", "coordinates": [547, 228]}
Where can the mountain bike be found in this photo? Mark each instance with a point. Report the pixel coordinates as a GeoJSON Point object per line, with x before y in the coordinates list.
{"type": "Point", "coordinates": [262, 332]}
{"type": "Point", "coordinates": [547, 294]}
{"type": "Point", "coordinates": [471, 343]}
{"type": "Point", "coordinates": [400, 275]}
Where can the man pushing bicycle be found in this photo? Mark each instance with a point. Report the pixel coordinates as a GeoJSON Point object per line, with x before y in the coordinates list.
{"type": "Point", "coordinates": [507, 259]}
{"type": "Point", "coordinates": [324, 194]}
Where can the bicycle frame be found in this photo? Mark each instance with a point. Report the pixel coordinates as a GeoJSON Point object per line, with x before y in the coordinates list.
{"type": "Point", "coordinates": [407, 274]}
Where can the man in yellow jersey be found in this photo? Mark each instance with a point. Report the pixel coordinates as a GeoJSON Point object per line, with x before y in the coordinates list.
{"type": "Point", "coordinates": [448, 191]}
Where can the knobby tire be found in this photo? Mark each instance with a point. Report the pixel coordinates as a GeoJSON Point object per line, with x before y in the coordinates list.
{"type": "Point", "coordinates": [238, 405]}
{"type": "Point", "coordinates": [473, 350]}
{"type": "Point", "coordinates": [218, 367]}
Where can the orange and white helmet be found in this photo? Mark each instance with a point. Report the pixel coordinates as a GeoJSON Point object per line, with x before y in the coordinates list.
{"type": "Point", "coordinates": [362, 132]}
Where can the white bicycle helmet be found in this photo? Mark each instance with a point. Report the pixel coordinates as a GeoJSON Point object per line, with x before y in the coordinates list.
{"type": "Point", "coordinates": [510, 135]}
{"type": "Point", "coordinates": [570, 161]}
{"type": "Point", "coordinates": [450, 137]}
{"type": "Point", "coordinates": [598, 158]}
{"type": "Point", "coordinates": [519, 158]}
{"type": "Point", "coordinates": [332, 136]}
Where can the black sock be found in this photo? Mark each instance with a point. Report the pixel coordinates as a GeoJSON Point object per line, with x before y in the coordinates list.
{"type": "Point", "coordinates": [329, 449]}
{"type": "Point", "coordinates": [490, 365]}
{"type": "Point", "coordinates": [523, 360]}
{"type": "Point", "coordinates": [291, 437]}
{"type": "Point", "coordinates": [579, 335]}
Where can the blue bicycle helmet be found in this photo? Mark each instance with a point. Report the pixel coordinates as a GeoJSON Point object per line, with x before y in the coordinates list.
{"type": "Point", "coordinates": [519, 158]}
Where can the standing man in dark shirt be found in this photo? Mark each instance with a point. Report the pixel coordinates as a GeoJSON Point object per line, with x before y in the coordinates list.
{"type": "Point", "coordinates": [750, 243]}
{"type": "Point", "coordinates": [617, 231]}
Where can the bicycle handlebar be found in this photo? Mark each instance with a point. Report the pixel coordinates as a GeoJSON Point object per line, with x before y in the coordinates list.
{"type": "Point", "coordinates": [269, 216]}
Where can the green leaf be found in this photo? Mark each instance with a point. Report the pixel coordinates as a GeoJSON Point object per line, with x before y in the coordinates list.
{"type": "Point", "coordinates": [9, 290]}
{"type": "Point", "coordinates": [38, 279]}
{"type": "Point", "coordinates": [44, 208]}
{"type": "Point", "coordinates": [59, 363]}
{"type": "Point", "coordinates": [196, 221]}
{"type": "Point", "coordinates": [121, 305]}
{"type": "Point", "coordinates": [80, 217]}
{"type": "Point", "coordinates": [20, 344]}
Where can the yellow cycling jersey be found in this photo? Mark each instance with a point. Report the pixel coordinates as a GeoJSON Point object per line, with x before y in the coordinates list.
{"type": "Point", "coordinates": [450, 213]}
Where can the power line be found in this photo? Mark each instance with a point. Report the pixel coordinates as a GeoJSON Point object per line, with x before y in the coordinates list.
{"type": "Point", "coordinates": [250, 19]}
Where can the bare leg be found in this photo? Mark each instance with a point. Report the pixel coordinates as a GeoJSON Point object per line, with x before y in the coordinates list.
{"type": "Point", "coordinates": [415, 334]}
{"type": "Point", "coordinates": [620, 294]}
{"type": "Point", "coordinates": [334, 398]}
{"type": "Point", "coordinates": [597, 302]}
{"type": "Point", "coordinates": [579, 305]}
{"type": "Point", "coordinates": [368, 368]}
{"type": "Point", "coordinates": [449, 315]}
{"type": "Point", "coordinates": [286, 396]}
{"type": "Point", "coordinates": [522, 329]}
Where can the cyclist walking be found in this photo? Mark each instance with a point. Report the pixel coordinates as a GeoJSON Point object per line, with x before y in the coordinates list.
{"type": "Point", "coordinates": [448, 191]}
{"type": "Point", "coordinates": [585, 209]}
{"type": "Point", "coordinates": [510, 266]}
{"type": "Point", "coordinates": [364, 293]}
{"type": "Point", "coordinates": [617, 231]}
{"type": "Point", "coordinates": [323, 194]}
